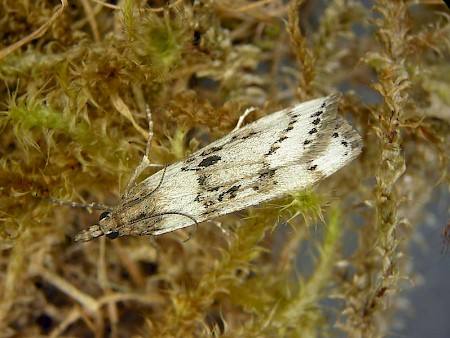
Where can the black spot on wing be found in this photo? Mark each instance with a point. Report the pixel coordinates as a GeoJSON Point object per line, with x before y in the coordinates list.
{"type": "Point", "coordinates": [289, 128]}
{"type": "Point", "coordinates": [206, 162]}
{"type": "Point", "coordinates": [265, 180]}
{"type": "Point", "coordinates": [273, 149]}
{"type": "Point", "coordinates": [283, 137]}
{"type": "Point", "coordinates": [209, 161]}
{"type": "Point", "coordinates": [266, 174]}
{"type": "Point", "coordinates": [242, 135]}
{"type": "Point", "coordinates": [248, 135]}
{"type": "Point", "coordinates": [211, 150]}
{"type": "Point", "coordinates": [208, 203]}
{"type": "Point", "coordinates": [230, 193]}
{"type": "Point", "coordinates": [316, 114]}
{"type": "Point", "coordinates": [211, 210]}
{"type": "Point", "coordinates": [201, 179]}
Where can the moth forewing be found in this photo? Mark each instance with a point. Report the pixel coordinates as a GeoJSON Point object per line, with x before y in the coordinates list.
{"type": "Point", "coordinates": [280, 153]}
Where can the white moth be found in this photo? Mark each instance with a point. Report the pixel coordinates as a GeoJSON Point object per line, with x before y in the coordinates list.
{"type": "Point", "coordinates": [280, 153]}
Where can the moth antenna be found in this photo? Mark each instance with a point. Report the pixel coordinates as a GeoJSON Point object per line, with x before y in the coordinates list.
{"type": "Point", "coordinates": [181, 214]}
{"type": "Point", "coordinates": [160, 181]}
{"type": "Point", "coordinates": [95, 206]}
{"type": "Point", "coordinates": [192, 233]}
{"type": "Point", "coordinates": [149, 193]}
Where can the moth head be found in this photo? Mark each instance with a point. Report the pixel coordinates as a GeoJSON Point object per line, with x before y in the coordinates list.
{"type": "Point", "coordinates": [107, 226]}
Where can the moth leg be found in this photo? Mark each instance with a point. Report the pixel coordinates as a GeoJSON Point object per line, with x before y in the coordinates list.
{"type": "Point", "coordinates": [145, 162]}
{"type": "Point", "coordinates": [243, 116]}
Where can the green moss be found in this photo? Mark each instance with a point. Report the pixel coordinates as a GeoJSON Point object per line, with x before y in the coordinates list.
{"type": "Point", "coordinates": [34, 115]}
{"type": "Point", "coordinates": [306, 204]}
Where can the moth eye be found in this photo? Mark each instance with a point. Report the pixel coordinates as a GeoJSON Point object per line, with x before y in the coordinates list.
{"type": "Point", "coordinates": [112, 235]}
{"type": "Point", "coordinates": [103, 215]}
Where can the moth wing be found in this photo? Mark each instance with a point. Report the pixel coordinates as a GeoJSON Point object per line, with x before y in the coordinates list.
{"type": "Point", "coordinates": [282, 152]}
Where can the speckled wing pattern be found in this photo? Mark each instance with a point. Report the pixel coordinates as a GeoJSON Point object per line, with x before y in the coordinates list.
{"type": "Point", "coordinates": [280, 153]}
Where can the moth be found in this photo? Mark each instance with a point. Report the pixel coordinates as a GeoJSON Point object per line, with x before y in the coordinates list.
{"type": "Point", "coordinates": [285, 151]}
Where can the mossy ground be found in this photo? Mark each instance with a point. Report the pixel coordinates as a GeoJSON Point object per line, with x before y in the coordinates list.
{"type": "Point", "coordinates": [73, 127]}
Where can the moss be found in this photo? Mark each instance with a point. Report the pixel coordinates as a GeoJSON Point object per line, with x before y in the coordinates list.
{"type": "Point", "coordinates": [73, 127]}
